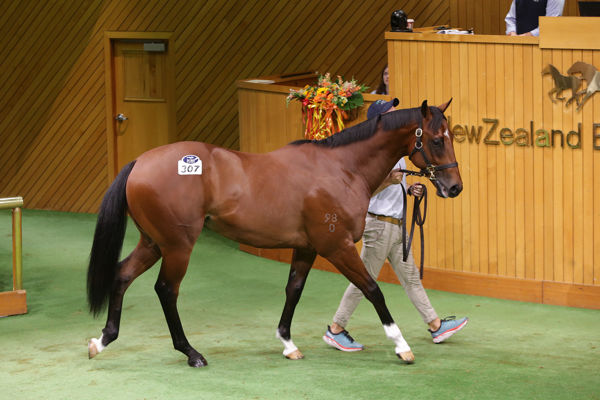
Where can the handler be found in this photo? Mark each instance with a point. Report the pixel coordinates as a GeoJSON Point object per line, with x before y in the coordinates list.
{"type": "Point", "coordinates": [382, 239]}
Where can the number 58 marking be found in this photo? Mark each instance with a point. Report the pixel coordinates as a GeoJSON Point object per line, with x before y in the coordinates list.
{"type": "Point", "coordinates": [332, 219]}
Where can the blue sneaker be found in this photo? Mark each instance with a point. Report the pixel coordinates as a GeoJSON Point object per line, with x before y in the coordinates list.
{"type": "Point", "coordinates": [341, 341]}
{"type": "Point", "coordinates": [449, 326]}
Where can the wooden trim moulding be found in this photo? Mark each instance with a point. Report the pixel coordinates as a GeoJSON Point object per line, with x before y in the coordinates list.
{"type": "Point", "coordinates": [13, 303]}
{"type": "Point", "coordinates": [572, 295]}
{"type": "Point", "coordinates": [280, 86]}
{"type": "Point", "coordinates": [435, 37]}
{"type": "Point", "coordinates": [545, 292]}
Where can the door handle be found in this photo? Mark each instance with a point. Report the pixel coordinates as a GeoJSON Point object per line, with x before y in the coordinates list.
{"type": "Point", "coordinates": [121, 118]}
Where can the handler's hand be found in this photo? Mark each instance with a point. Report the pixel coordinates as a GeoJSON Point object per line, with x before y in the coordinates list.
{"type": "Point", "coordinates": [416, 189]}
{"type": "Point", "coordinates": [395, 177]}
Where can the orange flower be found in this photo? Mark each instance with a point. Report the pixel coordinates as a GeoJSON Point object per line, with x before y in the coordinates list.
{"type": "Point", "coordinates": [323, 104]}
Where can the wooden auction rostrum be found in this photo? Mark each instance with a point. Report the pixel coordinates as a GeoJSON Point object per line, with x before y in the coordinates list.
{"type": "Point", "coordinates": [14, 302]}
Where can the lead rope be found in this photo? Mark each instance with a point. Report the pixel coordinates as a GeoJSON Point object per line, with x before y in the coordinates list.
{"type": "Point", "coordinates": [418, 218]}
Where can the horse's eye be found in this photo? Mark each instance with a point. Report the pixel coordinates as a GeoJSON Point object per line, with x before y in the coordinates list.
{"type": "Point", "coordinates": [438, 142]}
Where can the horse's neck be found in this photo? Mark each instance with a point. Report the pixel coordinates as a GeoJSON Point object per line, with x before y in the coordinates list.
{"type": "Point", "coordinates": [587, 71]}
{"type": "Point", "coordinates": [373, 159]}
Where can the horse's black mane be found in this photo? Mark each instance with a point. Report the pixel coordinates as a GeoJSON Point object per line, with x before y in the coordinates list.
{"type": "Point", "coordinates": [366, 129]}
{"type": "Point", "coordinates": [355, 133]}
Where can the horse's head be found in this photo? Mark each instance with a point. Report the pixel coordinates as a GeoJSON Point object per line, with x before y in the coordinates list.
{"type": "Point", "coordinates": [546, 70]}
{"type": "Point", "coordinates": [433, 151]}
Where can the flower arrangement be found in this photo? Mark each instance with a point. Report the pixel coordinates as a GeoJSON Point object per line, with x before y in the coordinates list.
{"type": "Point", "coordinates": [325, 106]}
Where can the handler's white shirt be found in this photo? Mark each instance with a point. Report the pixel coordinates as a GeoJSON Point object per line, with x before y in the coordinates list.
{"type": "Point", "coordinates": [389, 201]}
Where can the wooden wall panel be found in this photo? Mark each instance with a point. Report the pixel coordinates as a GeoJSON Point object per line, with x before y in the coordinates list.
{"type": "Point", "coordinates": [53, 107]}
{"type": "Point", "coordinates": [526, 212]}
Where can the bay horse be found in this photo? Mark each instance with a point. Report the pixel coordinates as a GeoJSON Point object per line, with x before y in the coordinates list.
{"type": "Point", "coordinates": [561, 83]}
{"type": "Point", "coordinates": [311, 196]}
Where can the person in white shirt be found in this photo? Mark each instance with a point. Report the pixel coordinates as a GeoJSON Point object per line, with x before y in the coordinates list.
{"type": "Point", "coordinates": [523, 16]}
{"type": "Point", "coordinates": [382, 238]}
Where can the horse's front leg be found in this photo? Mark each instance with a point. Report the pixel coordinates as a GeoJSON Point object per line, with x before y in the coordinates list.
{"type": "Point", "coordinates": [348, 262]}
{"type": "Point", "coordinates": [584, 99]}
{"type": "Point", "coordinates": [302, 261]}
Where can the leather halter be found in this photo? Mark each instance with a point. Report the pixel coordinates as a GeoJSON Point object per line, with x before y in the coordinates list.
{"type": "Point", "coordinates": [430, 169]}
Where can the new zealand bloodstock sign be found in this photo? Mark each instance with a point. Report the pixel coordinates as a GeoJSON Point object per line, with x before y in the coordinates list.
{"type": "Point", "coordinates": [492, 132]}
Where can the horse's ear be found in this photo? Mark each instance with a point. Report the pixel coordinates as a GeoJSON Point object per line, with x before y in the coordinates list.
{"type": "Point", "coordinates": [425, 110]}
{"type": "Point", "coordinates": [444, 106]}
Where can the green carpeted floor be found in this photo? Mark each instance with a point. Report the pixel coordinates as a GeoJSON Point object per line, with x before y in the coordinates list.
{"type": "Point", "coordinates": [230, 304]}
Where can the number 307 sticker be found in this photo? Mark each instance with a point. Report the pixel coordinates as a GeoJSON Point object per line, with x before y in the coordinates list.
{"type": "Point", "coordinates": [189, 165]}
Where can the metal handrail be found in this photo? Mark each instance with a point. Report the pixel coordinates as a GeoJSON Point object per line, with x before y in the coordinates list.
{"type": "Point", "coordinates": [17, 237]}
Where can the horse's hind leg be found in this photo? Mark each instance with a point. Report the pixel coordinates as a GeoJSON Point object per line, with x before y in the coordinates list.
{"type": "Point", "coordinates": [302, 261]}
{"type": "Point", "coordinates": [348, 262]}
{"type": "Point", "coordinates": [140, 260]}
{"type": "Point", "coordinates": [174, 265]}
{"type": "Point", "coordinates": [574, 93]}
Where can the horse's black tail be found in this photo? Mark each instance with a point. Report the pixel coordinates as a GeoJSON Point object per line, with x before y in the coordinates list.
{"type": "Point", "coordinates": [108, 242]}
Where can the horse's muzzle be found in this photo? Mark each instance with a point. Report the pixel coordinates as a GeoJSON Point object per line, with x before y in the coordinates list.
{"type": "Point", "coordinates": [455, 190]}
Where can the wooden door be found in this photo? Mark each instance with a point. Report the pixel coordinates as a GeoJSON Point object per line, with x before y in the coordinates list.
{"type": "Point", "coordinates": [143, 98]}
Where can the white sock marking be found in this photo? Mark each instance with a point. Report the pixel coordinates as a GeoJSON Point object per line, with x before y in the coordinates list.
{"type": "Point", "coordinates": [393, 332]}
{"type": "Point", "coordinates": [98, 343]}
{"type": "Point", "coordinates": [289, 346]}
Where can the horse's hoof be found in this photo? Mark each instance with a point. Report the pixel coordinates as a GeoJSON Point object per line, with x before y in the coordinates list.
{"type": "Point", "coordinates": [295, 355]}
{"type": "Point", "coordinates": [92, 349]}
{"type": "Point", "coordinates": [197, 361]}
{"type": "Point", "coordinates": [408, 357]}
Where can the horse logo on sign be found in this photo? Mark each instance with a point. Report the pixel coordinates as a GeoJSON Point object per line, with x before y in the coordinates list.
{"type": "Point", "coordinates": [562, 82]}
{"type": "Point", "coordinates": [588, 73]}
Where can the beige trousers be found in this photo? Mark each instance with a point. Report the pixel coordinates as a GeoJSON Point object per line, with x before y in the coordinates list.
{"type": "Point", "coordinates": [383, 240]}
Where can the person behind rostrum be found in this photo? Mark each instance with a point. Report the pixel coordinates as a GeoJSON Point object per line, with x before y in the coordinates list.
{"type": "Point", "coordinates": [382, 238]}
{"type": "Point", "coordinates": [384, 83]}
{"type": "Point", "coordinates": [523, 16]}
